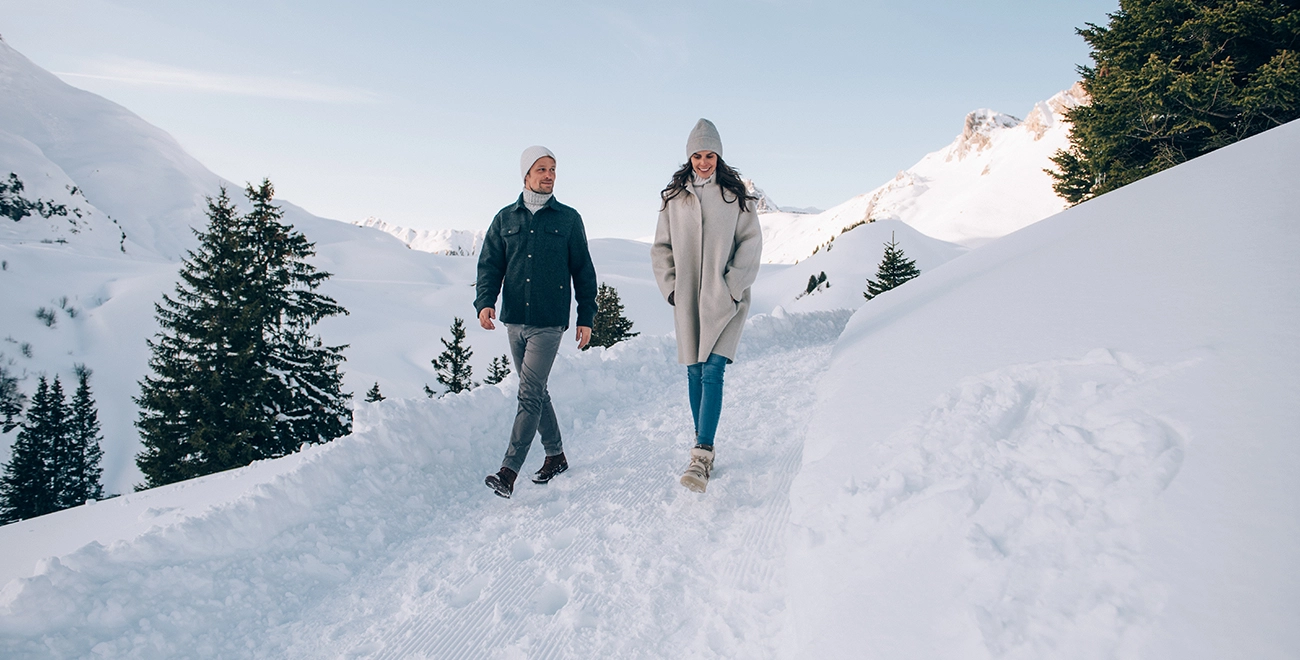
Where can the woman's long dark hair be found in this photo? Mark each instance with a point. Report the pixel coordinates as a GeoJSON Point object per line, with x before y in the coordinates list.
{"type": "Point", "coordinates": [728, 180]}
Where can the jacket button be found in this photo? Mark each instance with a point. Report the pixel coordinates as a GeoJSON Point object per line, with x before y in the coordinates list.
{"type": "Point", "coordinates": [527, 279]}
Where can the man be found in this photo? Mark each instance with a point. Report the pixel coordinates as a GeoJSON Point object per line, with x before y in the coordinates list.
{"type": "Point", "coordinates": [533, 251]}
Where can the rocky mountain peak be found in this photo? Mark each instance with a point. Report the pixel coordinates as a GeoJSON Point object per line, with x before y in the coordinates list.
{"type": "Point", "coordinates": [976, 134]}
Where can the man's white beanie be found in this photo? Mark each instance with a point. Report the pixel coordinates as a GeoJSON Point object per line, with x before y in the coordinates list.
{"type": "Point", "coordinates": [704, 137]}
{"type": "Point", "coordinates": [531, 156]}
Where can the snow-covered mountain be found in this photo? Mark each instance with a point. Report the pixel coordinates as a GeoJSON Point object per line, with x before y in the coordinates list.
{"type": "Point", "coordinates": [988, 183]}
{"type": "Point", "coordinates": [766, 205]}
{"type": "Point", "coordinates": [452, 242]}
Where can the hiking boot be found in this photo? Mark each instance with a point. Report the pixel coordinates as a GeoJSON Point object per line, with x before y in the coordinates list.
{"type": "Point", "coordinates": [551, 467]}
{"type": "Point", "coordinates": [696, 477]}
{"type": "Point", "coordinates": [502, 483]}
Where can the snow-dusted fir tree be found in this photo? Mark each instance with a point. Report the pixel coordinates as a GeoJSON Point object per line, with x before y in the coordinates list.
{"type": "Point", "coordinates": [305, 398]}
{"type": "Point", "coordinates": [12, 400]}
{"type": "Point", "coordinates": [27, 485]}
{"type": "Point", "coordinates": [237, 374]}
{"type": "Point", "coordinates": [81, 467]}
{"type": "Point", "coordinates": [498, 370]}
{"type": "Point", "coordinates": [610, 326]}
{"type": "Point", "coordinates": [895, 268]}
{"type": "Point", "coordinates": [373, 394]}
{"type": "Point", "coordinates": [453, 369]}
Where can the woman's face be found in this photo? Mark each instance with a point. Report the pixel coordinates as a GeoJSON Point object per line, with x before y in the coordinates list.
{"type": "Point", "coordinates": [704, 163]}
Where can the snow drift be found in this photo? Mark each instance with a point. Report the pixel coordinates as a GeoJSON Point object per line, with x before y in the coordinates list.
{"type": "Point", "coordinates": [1078, 441]}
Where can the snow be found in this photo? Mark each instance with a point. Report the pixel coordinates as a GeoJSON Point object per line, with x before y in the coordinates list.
{"type": "Point", "coordinates": [988, 183]}
{"type": "Point", "coordinates": [392, 521]}
{"type": "Point", "coordinates": [1076, 441]}
{"type": "Point", "coordinates": [459, 242]}
{"type": "Point", "coordinates": [1073, 441]}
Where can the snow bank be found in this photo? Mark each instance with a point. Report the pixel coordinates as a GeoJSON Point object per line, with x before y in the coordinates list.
{"type": "Point", "coordinates": [851, 260]}
{"type": "Point", "coordinates": [1077, 441]}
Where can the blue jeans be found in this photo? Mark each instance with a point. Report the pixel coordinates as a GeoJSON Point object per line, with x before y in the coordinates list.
{"type": "Point", "coordinates": [704, 384]}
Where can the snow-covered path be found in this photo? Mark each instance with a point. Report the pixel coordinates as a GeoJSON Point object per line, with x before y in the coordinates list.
{"type": "Point", "coordinates": [386, 544]}
{"type": "Point", "coordinates": [613, 559]}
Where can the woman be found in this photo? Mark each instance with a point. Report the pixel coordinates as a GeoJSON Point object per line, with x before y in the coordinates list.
{"type": "Point", "coordinates": [705, 257]}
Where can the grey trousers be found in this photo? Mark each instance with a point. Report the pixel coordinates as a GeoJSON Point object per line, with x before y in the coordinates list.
{"type": "Point", "coordinates": [533, 349]}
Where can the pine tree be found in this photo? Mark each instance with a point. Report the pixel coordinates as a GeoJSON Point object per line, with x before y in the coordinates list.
{"type": "Point", "coordinates": [453, 369]}
{"type": "Point", "coordinates": [498, 370]}
{"type": "Point", "coordinates": [373, 395]}
{"type": "Point", "coordinates": [1174, 79]}
{"type": "Point", "coordinates": [27, 486]}
{"type": "Point", "coordinates": [237, 375]}
{"type": "Point", "coordinates": [305, 397]}
{"type": "Point", "coordinates": [83, 466]}
{"type": "Point", "coordinates": [610, 326]}
{"type": "Point", "coordinates": [12, 400]}
{"type": "Point", "coordinates": [895, 269]}
{"type": "Point", "coordinates": [815, 281]}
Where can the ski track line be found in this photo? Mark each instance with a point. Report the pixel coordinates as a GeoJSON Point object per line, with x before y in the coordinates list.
{"type": "Point", "coordinates": [584, 565]}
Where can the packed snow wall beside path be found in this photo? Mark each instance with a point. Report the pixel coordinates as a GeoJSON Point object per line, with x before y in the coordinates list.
{"type": "Point", "coordinates": [1075, 442]}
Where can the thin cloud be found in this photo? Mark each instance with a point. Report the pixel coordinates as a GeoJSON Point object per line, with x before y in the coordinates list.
{"type": "Point", "coordinates": [141, 73]}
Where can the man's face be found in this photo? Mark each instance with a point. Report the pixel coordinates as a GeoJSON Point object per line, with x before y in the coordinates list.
{"type": "Point", "coordinates": [541, 178]}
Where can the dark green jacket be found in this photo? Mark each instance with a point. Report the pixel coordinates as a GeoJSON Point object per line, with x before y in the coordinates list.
{"type": "Point", "coordinates": [530, 260]}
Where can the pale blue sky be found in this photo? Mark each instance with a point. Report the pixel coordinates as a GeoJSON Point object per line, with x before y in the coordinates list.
{"type": "Point", "coordinates": [416, 112]}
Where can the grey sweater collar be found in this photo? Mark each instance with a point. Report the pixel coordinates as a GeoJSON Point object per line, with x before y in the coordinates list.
{"type": "Point", "coordinates": [535, 201]}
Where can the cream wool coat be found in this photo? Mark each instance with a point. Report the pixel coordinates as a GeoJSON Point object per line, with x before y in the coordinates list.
{"type": "Point", "coordinates": [707, 260]}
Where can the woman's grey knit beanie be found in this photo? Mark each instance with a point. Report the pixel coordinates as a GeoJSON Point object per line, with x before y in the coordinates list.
{"type": "Point", "coordinates": [530, 156]}
{"type": "Point", "coordinates": [704, 137]}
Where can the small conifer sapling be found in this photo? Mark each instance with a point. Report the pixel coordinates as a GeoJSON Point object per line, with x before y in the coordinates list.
{"type": "Point", "coordinates": [453, 368]}
{"type": "Point", "coordinates": [498, 370]}
{"type": "Point", "coordinates": [895, 269]}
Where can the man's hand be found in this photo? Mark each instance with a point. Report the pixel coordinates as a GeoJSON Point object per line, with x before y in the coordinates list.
{"type": "Point", "coordinates": [485, 317]}
{"type": "Point", "coordinates": [584, 336]}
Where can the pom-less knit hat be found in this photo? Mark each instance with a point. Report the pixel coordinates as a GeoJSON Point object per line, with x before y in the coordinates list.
{"type": "Point", "coordinates": [532, 155]}
{"type": "Point", "coordinates": [704, 137]}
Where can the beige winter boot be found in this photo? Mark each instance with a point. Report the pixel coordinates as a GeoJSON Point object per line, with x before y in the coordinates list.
{"type": "Point", "coordinates": [696, 477]}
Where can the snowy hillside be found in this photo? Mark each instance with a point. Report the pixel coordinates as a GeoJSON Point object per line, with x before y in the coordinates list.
{"type": "Point", "coordinates": [452, 242]}
{"type": "Point", "coordinates": [988, 183]}
{"type": "Point", "coordinates": [1078, 441]}
{"type": "Point", "coordinates": [124, 176]}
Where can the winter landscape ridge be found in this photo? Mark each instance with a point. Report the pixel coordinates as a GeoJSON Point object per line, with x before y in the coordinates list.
{"type": "Point", "coordinates": [1069, 442]}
